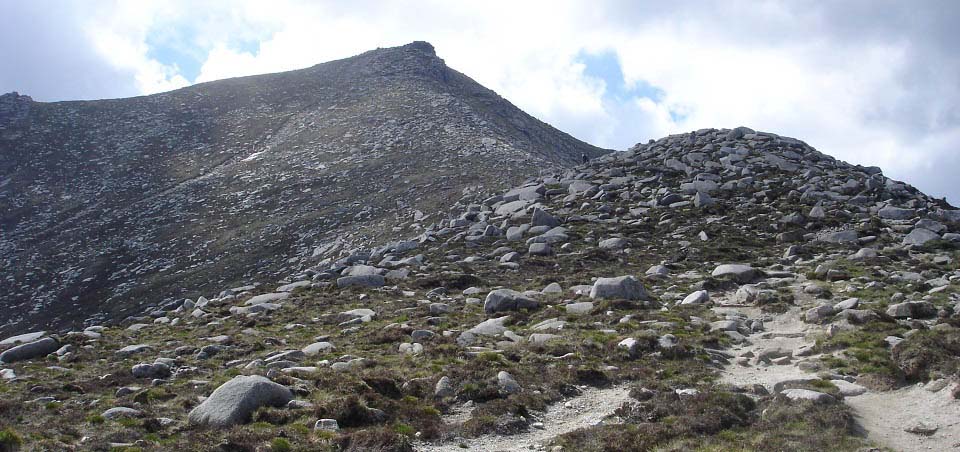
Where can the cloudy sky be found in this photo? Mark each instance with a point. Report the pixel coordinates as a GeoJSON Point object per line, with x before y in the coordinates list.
{"type": "Point", "coordinates": [871, 82]}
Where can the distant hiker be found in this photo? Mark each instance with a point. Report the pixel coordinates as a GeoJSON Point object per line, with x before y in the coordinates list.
{"type": "Point", "coordinates": [584, 157]}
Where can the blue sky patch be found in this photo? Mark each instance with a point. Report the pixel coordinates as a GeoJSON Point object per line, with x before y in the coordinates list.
{"type": "Point", "coordinates": [175, 47]}
{"type": "Point", "coordinates": [178, 48]}
{"type": "Point", "coordinates": [606, 66]}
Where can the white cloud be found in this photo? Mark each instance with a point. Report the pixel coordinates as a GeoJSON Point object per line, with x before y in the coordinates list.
{"type": "Point", "coordinates": [876, 84]}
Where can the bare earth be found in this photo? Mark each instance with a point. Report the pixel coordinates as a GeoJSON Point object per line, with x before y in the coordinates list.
{"type": "Point", "coordinates": [591, 407]}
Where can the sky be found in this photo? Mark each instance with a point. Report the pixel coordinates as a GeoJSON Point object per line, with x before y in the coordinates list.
{"type": "Point", "coordinates": [872, 82]}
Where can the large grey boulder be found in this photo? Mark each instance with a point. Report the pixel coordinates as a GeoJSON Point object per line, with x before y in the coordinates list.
{"type": "Point", "coordinates": [540, 249]}
{"type": "Point", "coordinates": [844, 236]}
{"type": "Point", "coordinates": [361, 281]}
{"type": "Point", "coordinates": [23, 338]}
{"type": "Point", "coordinates": [920, 236]}
{"type": "Point", "coordinates": [507, 384]}
{"type": "Point", "coordinates": [698, 297]}
{"type": "Point", "coordinates": [626, 287]}
{"type": "Point", "coordinates": [912, 309]}
{"type": "Point", "coordinates": [317, 347]}
{"type": "Point", "coordinates": [234, 401]}
{"type": "Point", "coordinates": [896, 213]}
{"type": "Point", "coordinates": [444, 388]}
{"type": "Point", "coordinates": [702, 200]}
{"type": "Point", "coordinates": [507, 300]}
{"type": "Point", "coordinates": [511, 208]}
{"type": "Point", "coordinates": [121, 412]}
{"type": "Point", "coordinates": [361, 270]}
{"type": "Point", "coordinates": [155, 370]}
{"type": "Point", "coordinates": [806, 394]}
{"type": "Point", "coordinates": [530, 193]}
{"type": "Point", "coordinates": [490, 327]}
{"type": "Point", "coordinates": [848, 389]}
{"type": "Point", "coordinates": [266, 298]}
{"type": "Point", "coordinates": [614, 244]}
{"type": "Point", "coordinates": [949, 215]}
{"type": "Point", "coordinates": [931, 225]}
{"type": "Point", "coordinates": [738, 272]}
{"type": "Point", "coordinates": [819, 314]}
{"type": "Point", "coordinates": [134, 349]}
{"type": "Point", "coordinates": [542, 218]}
{"type": "Point", "coordinates": [293, 286]}
{"type": "Point", "coordinates": [30, 350]}
{"type": "Point", "coordinates": [580, 186]}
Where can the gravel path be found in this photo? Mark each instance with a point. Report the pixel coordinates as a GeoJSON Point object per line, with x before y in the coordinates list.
{"type": "Point", "coordinates": [786, 332]}
{"type": "Point", "coordinates": [885, 415]}
{"type": "Point", "coordinates": [882, 416]}
{"type": "Point", "coordinates": [591, 407]}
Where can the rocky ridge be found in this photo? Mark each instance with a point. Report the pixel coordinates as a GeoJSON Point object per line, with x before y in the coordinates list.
{"type": "Point", "coordinates": [748, 290]}
{"type": "Point", "coordinates": [111, 206]}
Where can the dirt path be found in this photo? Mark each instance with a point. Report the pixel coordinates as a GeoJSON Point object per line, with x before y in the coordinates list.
{"type": "Point", "coordinates": [591, 407]}
{"type": "Point", "coordinates": [785, 332]}
{"type": "Point", "coordinates": [883, 416]}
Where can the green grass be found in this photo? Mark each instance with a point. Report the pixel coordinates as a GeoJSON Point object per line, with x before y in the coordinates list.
{"type": "Point", "coordinates": [9, 440]}
{"type": "Point", "coordinates": [96, 419]}
{"type": "Point", "coordinates": [280, 445]}
{"type": "Point", "coordinates": [864, 349]}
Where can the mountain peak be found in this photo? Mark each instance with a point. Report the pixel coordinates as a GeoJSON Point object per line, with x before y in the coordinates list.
{"type": "Point", "coordinates": [378, 136]}
{"type": "Point", "coordinates": [421, 46]}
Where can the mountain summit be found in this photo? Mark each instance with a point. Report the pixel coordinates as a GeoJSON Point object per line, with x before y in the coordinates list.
{"type": "Point", "coordinates": [109, 206]}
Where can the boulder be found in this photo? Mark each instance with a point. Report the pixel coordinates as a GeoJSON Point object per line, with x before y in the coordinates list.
{"type": "Point", "coordinates": [698, 297]}
{"type": "Point", "coordinates": [658, 271]}
{"type": "Point", "coordinates": [819, 314]}
{"type": "Point", "coordinates": [121, 412]}
{"type": "Point", "coordinates": [317, 347]}
{"type": "Point", "coordinates": [507, 384]}
{"type": "Point", "coordinates": [737, 272]}
{"type": "Point", "coordinates": [614, 244]}
{"type": "Point", "coordinates": [23, 338]}
{"type": "Point", "coordinates": [844, 236]}
{"type": "Point", "coordinates": [267, 298]}
{"type": "Point", "coordinates": [529, 193]}
{"type": "Point", "coordinates": [626, 287]}
{"type": "Point", "coordinates": [542, 218]}
{"type": "Point", "coordinates": [30, 350]}
{"type": "Point", "coordinates": [702, 200]}
{"type": "Point", "coordinates": [490, 327]}
{"type": "Point", "coordinates": [326, 425]}
{"type": "Point", "coordinates": [540, 249]}
{"type": "Point", "coordinates": [896, 213]}
{"type": "Point", "coordinates": [806, 394]}
{"type": "Point", "coordinates": [155, 370]}
{"type": "Point", "coordinates": [234, 401]}
{"type": "Point", "coordinates": [444, 388]}
{"type": "Point", "coordinates": [912, 309]}
{"type": "Point", "coordinates": [579, 308]}
{"type": "Point", "coordinates": [361, 281]}
{"type": "Point", "coordinates": [920, 237]}
{"type": "Point", "coordinates": [849, 303]}
{"type": "Point", "coordinates": [293, 286]}
{"type": "Point", "coordinates": [133, 349]}
{"type": "Point", "coordinates": [511, 207]}
{"type": "Point", "coordinates": [580, 186]}
{"type": "Point", "coordinates": [508, 300]}
{"type": "Point", "coordinates": [848, 389]}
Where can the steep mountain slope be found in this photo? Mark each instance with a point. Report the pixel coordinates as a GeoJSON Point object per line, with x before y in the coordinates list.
{"type": "Point", "coordinates": [107, 206]}
{"type": "Point", "coordinates": [717, 290]}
